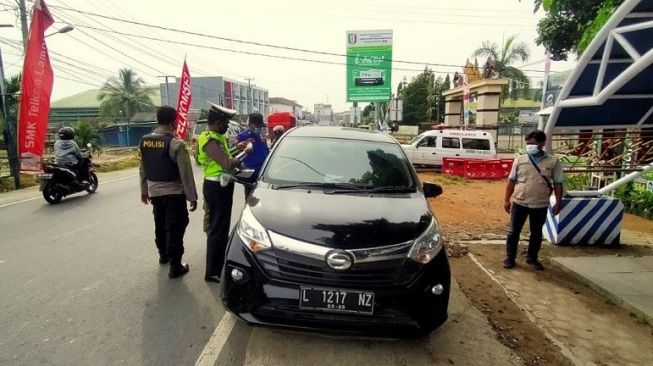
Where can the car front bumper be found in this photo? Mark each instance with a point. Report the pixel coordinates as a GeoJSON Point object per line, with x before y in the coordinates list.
{"type": "Point", "coordinates": [406, 310]}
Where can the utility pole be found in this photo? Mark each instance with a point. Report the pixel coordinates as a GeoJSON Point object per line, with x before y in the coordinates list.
{"type": "Point", "coordinates": [249, 95]}
{"type": "Point", "coordinates": [167, 86]}
{"type": "Point", "coordinates": [23, 22]}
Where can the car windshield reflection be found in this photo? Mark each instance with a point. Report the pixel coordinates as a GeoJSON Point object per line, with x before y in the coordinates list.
{"type": "Point", "coordinates": [338, 164]}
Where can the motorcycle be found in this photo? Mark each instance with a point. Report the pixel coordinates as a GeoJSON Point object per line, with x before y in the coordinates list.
{"type": "Point", "coordinates": [58, 181]}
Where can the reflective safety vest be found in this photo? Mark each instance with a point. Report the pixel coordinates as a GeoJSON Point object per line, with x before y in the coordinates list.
{"type": "Point", "coordinates": [157, 163]}
{"type": "Point", "coordinates": [211, 167]}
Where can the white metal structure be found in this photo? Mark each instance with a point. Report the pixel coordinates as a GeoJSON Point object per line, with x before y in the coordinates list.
{"type": "Point", "coordinates": [612, 85]}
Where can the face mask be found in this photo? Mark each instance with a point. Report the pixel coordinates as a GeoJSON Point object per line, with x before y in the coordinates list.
{"type": "Point", "coordinates": [532, 149]}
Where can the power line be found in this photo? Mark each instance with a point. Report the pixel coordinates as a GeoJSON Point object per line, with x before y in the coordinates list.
{"type": "Point", "coordinates": [287, 48]}
{"type": "Point", "coordinates": [240, 51]}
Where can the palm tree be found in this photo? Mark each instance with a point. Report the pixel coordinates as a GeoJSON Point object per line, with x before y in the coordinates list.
{"type": "Point", "coordinates": [511, 52]}
{"type": "Point", "coordinates": [85, 133]}
{"type": "Point", "coordinates": [124, 96]}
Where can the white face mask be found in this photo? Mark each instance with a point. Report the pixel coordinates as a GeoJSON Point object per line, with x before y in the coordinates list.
{"type": "Point", "coordinates": [532, 149]}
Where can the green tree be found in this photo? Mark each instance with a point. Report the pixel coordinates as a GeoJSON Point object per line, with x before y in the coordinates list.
{"type": "Point", "coordinates": [415, 98]}
{"type": "Point", "coordinates": [12, 87]}
{"type": "Point", "coordinates": [570, 25]}
{"type": "Point", "coordinates": [85, 134]}
{"type": "Point", "coordinates": [124, 96]}
{"type": "Point", "coordinates": [510, 52]}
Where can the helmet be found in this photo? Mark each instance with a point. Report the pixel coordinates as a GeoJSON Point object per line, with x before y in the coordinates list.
{"type": "Point", "coordinates": [67, 133]}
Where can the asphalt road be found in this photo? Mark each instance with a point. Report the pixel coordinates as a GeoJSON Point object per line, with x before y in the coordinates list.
{"type": "Point", "coordinates": [80, 284]}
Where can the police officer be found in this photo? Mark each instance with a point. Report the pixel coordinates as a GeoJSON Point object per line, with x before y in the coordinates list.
{"type": "Point", "coordinates": [215, 156]}
{"type": "Point", "coordinates": [167, 182]}
{"type": "Point", "coordinates": [256, 158]}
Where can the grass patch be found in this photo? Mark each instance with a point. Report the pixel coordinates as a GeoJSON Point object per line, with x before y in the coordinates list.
{"type": "Point", "coordinates": [639, 319]}
{"type": "Point", "coordinates": [26, 180]}
{"type": "Point", "coordinates": [121, 163]}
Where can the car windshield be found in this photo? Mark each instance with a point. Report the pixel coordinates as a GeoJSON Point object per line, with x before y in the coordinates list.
{"type": "Point", "coordinates": [415, 139]}
{"type": "Point", "coordinates": [328, 161]}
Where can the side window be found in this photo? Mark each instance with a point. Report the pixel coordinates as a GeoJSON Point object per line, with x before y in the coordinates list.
{"type": "Point", "coordinates": [428, 142]}
{"type": "Point", "coordinates": [451, 142]}
{"type": "Point", "coordinates": [476, 144]}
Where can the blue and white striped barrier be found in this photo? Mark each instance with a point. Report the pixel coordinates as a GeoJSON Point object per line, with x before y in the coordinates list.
{"type": "Point", "coordinates": [585, 220]}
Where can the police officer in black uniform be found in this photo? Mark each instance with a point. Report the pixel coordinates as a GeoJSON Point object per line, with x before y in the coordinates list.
{"type": "Point", "coordinates": [167, 182]}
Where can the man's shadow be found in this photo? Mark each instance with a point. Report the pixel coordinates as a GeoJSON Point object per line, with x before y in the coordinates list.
{"type": "Point", "coordinates": [170, 319]}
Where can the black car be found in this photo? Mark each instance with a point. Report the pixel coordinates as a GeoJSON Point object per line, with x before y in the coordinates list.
{"type": "Point", "coordinates": [338, 236]}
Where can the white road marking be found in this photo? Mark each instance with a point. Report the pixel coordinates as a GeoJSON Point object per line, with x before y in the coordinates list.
{"type": "Point", "coordinates": [1, 261]}
{"type": "Point", "coordinates": [39, 197]}
{"type": "Point", "coordinates": [209, 355]}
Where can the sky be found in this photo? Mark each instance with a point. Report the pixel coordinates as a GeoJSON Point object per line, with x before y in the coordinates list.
{"type": "Point", "coordinates": [442, 32]}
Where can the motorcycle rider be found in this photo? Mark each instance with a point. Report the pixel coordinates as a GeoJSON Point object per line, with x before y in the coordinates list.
{"type": "Point", "coordinates": [67, 153]}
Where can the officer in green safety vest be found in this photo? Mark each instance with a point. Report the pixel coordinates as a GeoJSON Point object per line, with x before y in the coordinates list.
{"type": "Point", "coordinates": [216, 158]}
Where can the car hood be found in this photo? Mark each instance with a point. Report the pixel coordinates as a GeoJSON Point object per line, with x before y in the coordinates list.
{"type": "Point", "coordinates": [344, 221]}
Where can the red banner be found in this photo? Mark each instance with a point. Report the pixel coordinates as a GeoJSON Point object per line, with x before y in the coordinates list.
{"type": "Point", "coordinates": [183, 102]}
{"type": "Point", "coordinates": [36, 88]}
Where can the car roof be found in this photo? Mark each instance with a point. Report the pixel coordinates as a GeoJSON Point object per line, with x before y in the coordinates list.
{"type": "Point", "coordinates": [341, 133]}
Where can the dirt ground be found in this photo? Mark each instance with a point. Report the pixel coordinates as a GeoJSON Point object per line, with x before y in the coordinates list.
{"type": "Point", "coordinates": [529, 310]}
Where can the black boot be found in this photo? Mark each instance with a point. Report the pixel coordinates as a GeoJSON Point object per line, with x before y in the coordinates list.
{"type": "Point", "coordinates": [178, 270]}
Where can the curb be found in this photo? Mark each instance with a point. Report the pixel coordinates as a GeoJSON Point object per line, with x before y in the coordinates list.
{"type": "Point", "coordinates": [602, 291]}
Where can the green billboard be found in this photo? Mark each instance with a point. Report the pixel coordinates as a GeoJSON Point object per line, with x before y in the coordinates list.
{"type": "Point", "coordinates": [369, 66]}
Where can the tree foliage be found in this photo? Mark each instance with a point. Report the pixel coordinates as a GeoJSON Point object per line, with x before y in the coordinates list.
{"type": "Point", "coordinates": [124, 96]}
{"type": "Point", "coordinates": [570, 25]}
{"type": "Point", "coordinates": [422, 98]}
{"type": "Point", "coordinates": [85, 134]}
{"type": "Point", "coordinates": [12, 87]}
{"type": "Point", "coordinates": [505, 56]}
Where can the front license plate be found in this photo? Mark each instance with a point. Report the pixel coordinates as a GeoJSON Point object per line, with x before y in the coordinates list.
{"type": "Point", "coordinates": [335, 300]}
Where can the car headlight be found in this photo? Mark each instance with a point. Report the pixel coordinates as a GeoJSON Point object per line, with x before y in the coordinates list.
{"type": "Point", "coordinates": [427, 245]}
{"type": "Point", "coordinates": [252, 233]}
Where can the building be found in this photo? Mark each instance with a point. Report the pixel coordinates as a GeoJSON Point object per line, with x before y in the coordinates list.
{"type": "Point", "coordinates": [243, 97]}
{"type": "Point", "coordinates": [323, 114]}
{"type": "Point", "coordinates": [82, 106]}
{"type": "Point", "coordinates": [278, 104]}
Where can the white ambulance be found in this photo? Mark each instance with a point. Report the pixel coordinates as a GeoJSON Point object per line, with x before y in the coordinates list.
{"type": "Point", "coordinates": [431, 147]}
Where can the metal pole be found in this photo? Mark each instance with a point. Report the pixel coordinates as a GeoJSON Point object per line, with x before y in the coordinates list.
{"type": "Point", "coordinates": [547, 70]}
{"type": "Point", "coordinates": [23, 22]}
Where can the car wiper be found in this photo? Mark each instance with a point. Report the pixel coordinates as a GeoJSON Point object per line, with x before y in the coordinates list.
{"type": "Point", "coordinates": [384, 189]}
{"type": "Point", "coordinates": [330, 185]}
{"type": "Point", "coordinates": [392, 189]}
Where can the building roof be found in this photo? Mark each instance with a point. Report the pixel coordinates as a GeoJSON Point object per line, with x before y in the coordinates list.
{"type": "Point", "coordinates": [612, 84]}
{"type": "Point", "coordinates": [88, 99]}
{"type": "Point", "coordinates": [284, 101]}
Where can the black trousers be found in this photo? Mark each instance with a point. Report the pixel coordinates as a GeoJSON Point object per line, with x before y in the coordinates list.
{"type": "Point", "coordinates": [218, 201]}
{"type": "Point", "coordinates": [170, 222]}
{"type": "Point", "coordinates": [536, 218]}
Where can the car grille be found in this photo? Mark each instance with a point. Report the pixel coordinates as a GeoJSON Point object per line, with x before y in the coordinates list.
{"type": "Point", "coordinates": [283, 265]}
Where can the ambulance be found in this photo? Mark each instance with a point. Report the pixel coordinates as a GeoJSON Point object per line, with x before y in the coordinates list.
{"type": "Point", "coordinates": [431, 147]}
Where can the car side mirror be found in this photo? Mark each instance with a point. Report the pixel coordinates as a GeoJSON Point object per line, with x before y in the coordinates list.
{"type": "Point", "coordinates": [431, 189]}
{"type": "Point", "coordinates": [245, 176]}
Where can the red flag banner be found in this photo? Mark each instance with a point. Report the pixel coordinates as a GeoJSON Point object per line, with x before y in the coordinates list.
{"type": "Point", "coordinates": [36, 89]}
{"type": "Point", "coordinates": [183, 102]}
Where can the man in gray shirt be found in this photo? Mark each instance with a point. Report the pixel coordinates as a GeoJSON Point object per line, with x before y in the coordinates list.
{"type": "Point", "coordinates": [167, 182]}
